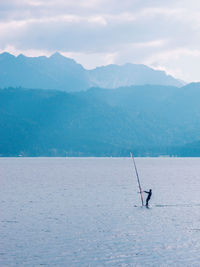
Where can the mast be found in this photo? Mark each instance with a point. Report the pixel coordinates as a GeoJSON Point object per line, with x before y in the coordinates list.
{"type": "Point", "coordinates": [138, 179]}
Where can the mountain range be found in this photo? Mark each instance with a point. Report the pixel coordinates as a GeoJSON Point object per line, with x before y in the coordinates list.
{"type": "Point", "coordinates": [62, 73]}
{"type": "Point", "coordinates": [52, 106]}
{"type": "Point", "coordinates": [147, 119]}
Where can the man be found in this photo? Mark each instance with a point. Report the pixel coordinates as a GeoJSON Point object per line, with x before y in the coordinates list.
{"type": "Point", "coordinates": [148, 197]}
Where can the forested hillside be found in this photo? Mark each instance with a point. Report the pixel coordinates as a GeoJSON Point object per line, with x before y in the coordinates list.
{"type": "Point", "coordinates": [148, 120]}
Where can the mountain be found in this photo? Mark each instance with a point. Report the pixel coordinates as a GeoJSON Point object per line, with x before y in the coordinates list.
{"type": "Point", "coordinates": [53, 123]}
{"type": "Point", "coordinates": [61, 73]}
{"type": "Point", "coordinates": [113, 76]}
{"type": "Point", "coordinates": [149, 120]}
{"type": "Point", "coordinates": [55, 72]}
{"type": "Point", "coordinates": [189, 150]}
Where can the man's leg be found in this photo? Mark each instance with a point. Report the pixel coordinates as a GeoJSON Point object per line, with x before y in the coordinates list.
{"type": "Point", "coordinates": [147, 201]}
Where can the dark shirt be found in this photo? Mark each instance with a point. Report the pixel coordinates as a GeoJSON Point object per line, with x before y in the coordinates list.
{"type": "Point", "coordinates": [149, 193]}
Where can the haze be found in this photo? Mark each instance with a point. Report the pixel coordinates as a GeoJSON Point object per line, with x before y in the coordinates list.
{"type": "Point", "coordinates": [161, 34]}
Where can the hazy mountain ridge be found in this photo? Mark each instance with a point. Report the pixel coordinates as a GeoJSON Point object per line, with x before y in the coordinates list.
{"type": "Point", "coordinates": [149, 120]}
{"type": "Point", "coordinates": [55, 72]}
{"type": "Point", "coordinates": [61, 73]}
{"type": "Point", "coordinates": [113, 76]}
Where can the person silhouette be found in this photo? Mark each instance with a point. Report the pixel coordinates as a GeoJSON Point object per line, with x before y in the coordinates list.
{"type": "Point", "coordinates": [148, 197]}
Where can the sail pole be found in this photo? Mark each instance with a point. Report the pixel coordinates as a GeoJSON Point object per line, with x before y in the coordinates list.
{"type": "Point", "coordinates": [138, 179]}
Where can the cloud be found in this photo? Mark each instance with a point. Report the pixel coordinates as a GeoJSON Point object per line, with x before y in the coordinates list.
{"type": "Point", "coordinates": [178, 62]}
{"type": "Point", "coordinates": [154, 32]}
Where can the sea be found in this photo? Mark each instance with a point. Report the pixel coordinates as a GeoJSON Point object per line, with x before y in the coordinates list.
{"type": "Point", "coordinates": [87, 212]}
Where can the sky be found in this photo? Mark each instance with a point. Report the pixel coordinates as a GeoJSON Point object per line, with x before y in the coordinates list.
{"type": "Point", "coordinates": [161, 34]}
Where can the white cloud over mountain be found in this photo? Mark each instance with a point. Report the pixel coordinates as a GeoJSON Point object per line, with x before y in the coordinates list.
{"type": "Point", "coordinates": [162, 34]}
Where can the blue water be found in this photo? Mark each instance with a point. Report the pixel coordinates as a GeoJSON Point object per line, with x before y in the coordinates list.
{"type": "Point", "coordinates": [86, 212]}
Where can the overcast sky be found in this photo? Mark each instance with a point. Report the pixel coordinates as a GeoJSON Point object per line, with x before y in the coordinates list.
{"type": "Point", "coordinates": [163, 34]}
